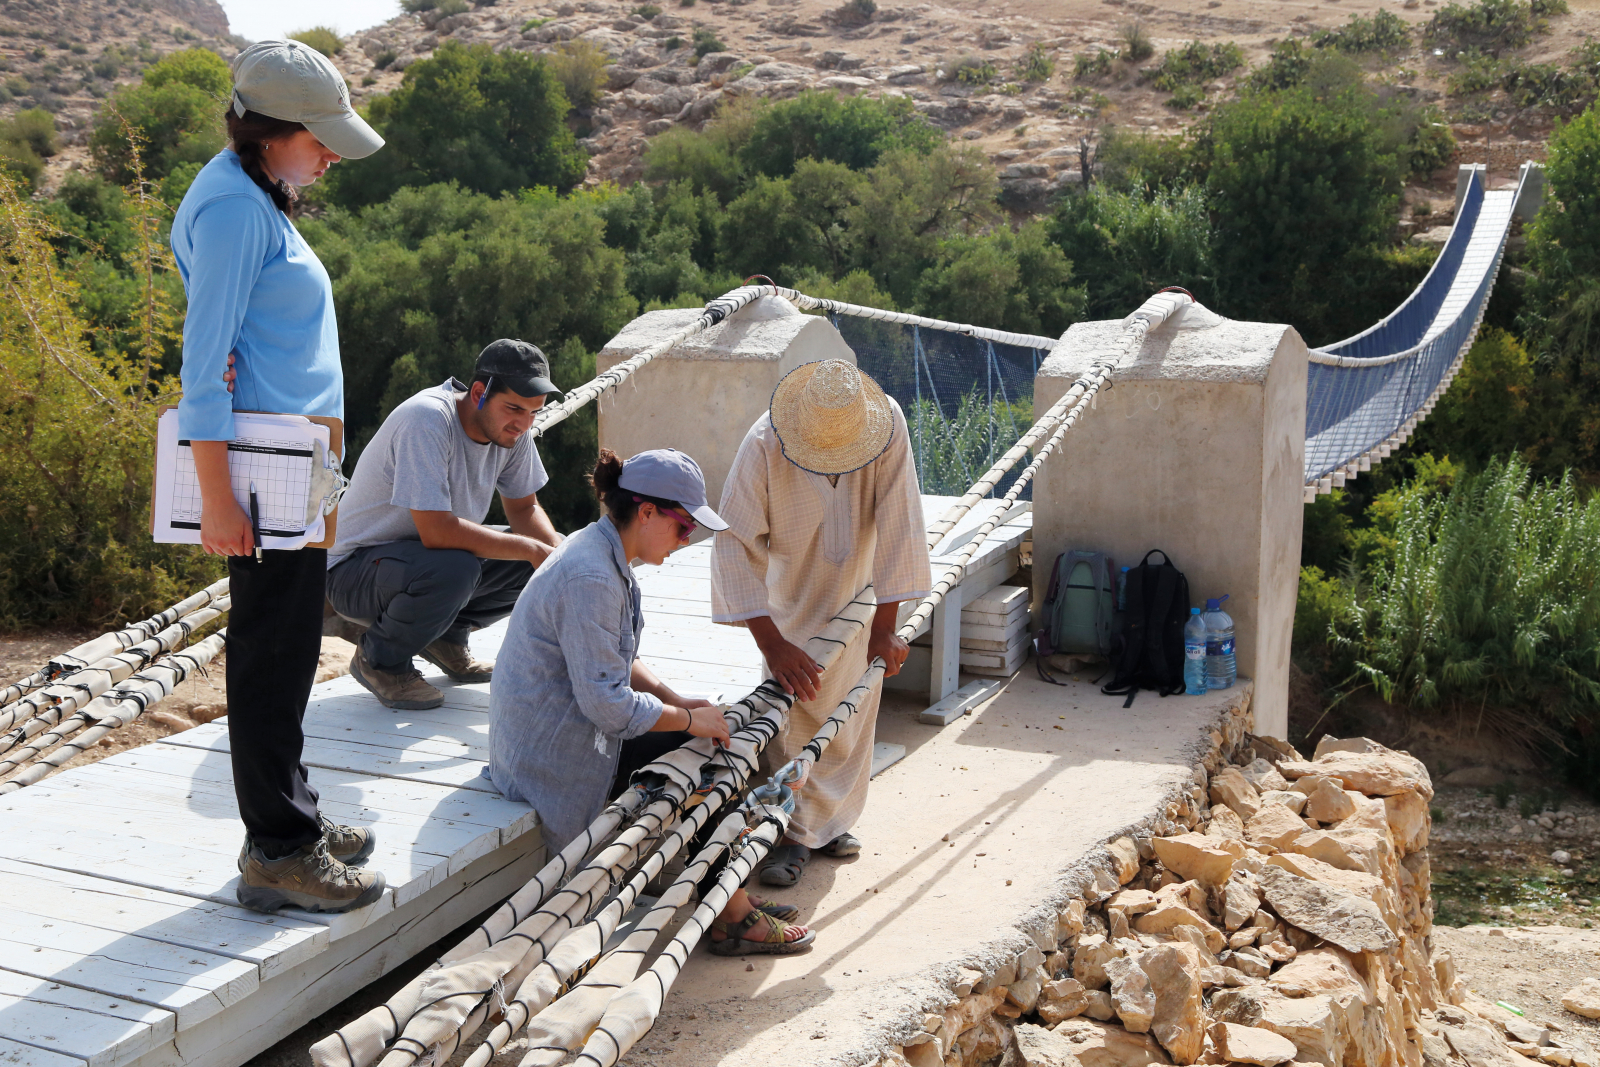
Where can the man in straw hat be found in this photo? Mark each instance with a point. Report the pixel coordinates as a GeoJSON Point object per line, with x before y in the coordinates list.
{"type": "Point", "coordinates": [821, 501]}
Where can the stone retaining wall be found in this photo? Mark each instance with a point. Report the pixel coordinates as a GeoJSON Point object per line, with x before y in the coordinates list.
{"type": "Point", "coordinates": [1275, 911]}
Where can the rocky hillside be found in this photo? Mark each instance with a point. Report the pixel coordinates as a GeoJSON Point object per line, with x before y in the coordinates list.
{"type": "Point", "coordinates": [66, 55]}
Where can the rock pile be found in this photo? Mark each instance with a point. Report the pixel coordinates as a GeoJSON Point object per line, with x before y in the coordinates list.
{"type": "Point", "coordinates": [1277, 912]}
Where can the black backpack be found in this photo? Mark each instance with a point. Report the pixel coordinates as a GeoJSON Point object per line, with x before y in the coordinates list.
{"type": "Point", "coordinates": [1150, 650]}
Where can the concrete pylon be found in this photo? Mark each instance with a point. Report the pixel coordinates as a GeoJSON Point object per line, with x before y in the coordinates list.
{"type": "Point", "coordinates": [702, 396]}
{"type": "Point", "coordinates": [1198, 449]}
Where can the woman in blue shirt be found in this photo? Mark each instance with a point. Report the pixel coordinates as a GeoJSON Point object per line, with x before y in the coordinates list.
{"type": "Point", "coordinates": [261, 304]}
{"type": "Point", "coordinates": [572, 710]}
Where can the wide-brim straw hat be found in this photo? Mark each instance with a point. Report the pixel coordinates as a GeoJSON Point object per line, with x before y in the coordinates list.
{"type": "Point", "coordinates": [830, 418]}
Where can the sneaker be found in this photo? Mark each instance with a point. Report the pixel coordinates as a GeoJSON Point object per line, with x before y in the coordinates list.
{"type": "Point", "coordinates": [456, 661]}
{"type": "Point", "coordinates": [403, 690]}
{"type": "Point", "coordinates": [308, 878]}
{"type": "Point", "coordinates": [350, 845]}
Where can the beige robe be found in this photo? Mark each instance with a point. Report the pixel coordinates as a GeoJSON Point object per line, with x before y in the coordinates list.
{"type": "Point", "coordinates": [798, 549]}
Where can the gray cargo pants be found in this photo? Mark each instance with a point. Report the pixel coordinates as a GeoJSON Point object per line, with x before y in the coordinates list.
{"type": "Point", "coordinates": [414, 595]}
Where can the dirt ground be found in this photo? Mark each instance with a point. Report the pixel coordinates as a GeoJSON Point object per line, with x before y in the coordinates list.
{"type": "Point", "coordinates": [1527, 967]}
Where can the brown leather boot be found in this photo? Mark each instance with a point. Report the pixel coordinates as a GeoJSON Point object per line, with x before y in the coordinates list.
{"type": "Point", "coordinates": [350, 845]}
{"type": "Point", "coordinates": [457, 661]}
{"type": "Point", "coordinates": [403, 690]}
{"type": "Point", "coordinates": [308, 878]}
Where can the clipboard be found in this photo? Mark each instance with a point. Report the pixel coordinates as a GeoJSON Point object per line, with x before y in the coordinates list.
{"type": "Point", "coordinates": [173, 483]}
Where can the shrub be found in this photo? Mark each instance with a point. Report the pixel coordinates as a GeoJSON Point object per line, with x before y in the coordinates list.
{"type": "Point", "coordinates": [1487, 24]}
{"type": "Point", "coordinates": [1092, 66]}
{"type": "Point", "coordinates": [1136, 44]}
{"type": "Point", "coordinates": [198, 67]}
{"type": "Point", "coordinates": [1036, 64]}
{"type": "Point", "coordinates": [855, 12]}
{"type": "Point", "coordinates": [672, 44]}
{"type": "Point", "coordinates": [382, 60]}
{"type": "Point", "coordinates": [1195, 63]}
{"type": "Point", "coordinates": [446, 8]}
{"type": "Point", "coordinates": [855, 131]}
{"type": "Point", "coordinates": [580, 67]}
{"type": "Point", "coordinates": [1137, 243]}
{"type": "Point", "coordinates": [970, 69]}
{"type": "Point", "coordinates": [323, 38]}
{"type": "Point", "coordinates": [34, 128]}
{"type": "Point", "coordinates": [706, 42]}
{"type": "Point", "coordinates": [647, 11]}
{"type": "Point", "coordinates": [952, 452]}
{"type": "Point", "coordinates": [1019, 280]}
{"type": "Point", "coordinates": [1185, 97]}
{"type": "Point", "coordinates": [492, 121]}
{"type": "Point", "coordinates": [177, 107]}
{"type": "Point", "coordinates": [1383, 32]}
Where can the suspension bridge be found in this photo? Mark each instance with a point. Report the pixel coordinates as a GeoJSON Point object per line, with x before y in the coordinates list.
{"type": "Point", "coordinates": [123, 944]}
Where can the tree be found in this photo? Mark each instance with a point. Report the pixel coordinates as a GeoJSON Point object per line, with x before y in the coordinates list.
{"type": "Point", "coordinates": [1016, 280]}
{"type": "Point", "coordinates": [491, 122]}
{"type": "Point", "coordinates": [177, 107]}
{"type": "Point", "coordinates": [1137, 245]}
{"type": "Point", "coordinates": [856, 131]}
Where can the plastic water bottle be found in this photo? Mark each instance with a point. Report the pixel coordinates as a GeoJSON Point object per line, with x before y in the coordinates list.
{"type": "Point", "coordinates": [1194, 654]}
{"type": "Point", "coordinates": [1122, 590]}
{"type": "Point", "coordinates": [1221, 669]}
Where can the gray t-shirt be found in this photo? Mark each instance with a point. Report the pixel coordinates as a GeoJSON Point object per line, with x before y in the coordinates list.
{"type": "Point", "coordinates": [421, 459]}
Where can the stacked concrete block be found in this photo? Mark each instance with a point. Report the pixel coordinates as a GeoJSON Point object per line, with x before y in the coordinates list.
{"type": "Point", "coordinates": [994, 632]}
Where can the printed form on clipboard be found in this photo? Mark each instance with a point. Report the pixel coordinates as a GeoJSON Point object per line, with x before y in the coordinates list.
{"type": "Point", "coordinates": [292, 460]}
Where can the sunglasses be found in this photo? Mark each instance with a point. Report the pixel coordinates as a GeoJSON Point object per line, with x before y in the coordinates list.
{"type": "Point", "coordinates": [688, 524]}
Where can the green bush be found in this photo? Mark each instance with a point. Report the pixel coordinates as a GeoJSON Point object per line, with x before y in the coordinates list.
{"type": "Point", "coordinates": [1185, 97]}
{"type": "Point", "coordinates": [446, 8]}
{"type": "Point", "coordinates": [1137, 245]}
{"type": "Point", "coordinates": [580, 67]}
{"type": "Point", "coordinates": [647, 11]}
{"type": "Point", "coordinates": [20, 162]}
{"type": "Point", "coordinates": [177, 107]}
{"type": "Point", "coordinates": [952, 452]}
{"type": "Point", "coordinates": [1092, 66]}
{"type": "Point", "coordinates": [1019, 278]}
{"type": "Point", "coordinates": [706, 42]}
{"type": "Point", "coordinates": [856, 12]}
{"type": "Point", "coordinates": [34, 128]}
{"type": "Point", "coordinates": [492, 121]}
{"type": "Point", "coordinates": [1383, 32]}
{"type": "Point", "coordinates": [1491, 25]}
{"type": "Point", "coordinates": [1147, 161]}
{"type": "Point", "coordinates": [1136, 44]}
{"type": "Point", "coordinates": [323, 38]}
{"type": "Point", "coordinates": [1036, 64]}
{"type": "Point", "coordinates": [969, 69]}
{"type": "Point", "coordinates": [1195, 63]}
{"type": "Point", "coordinates": [382, 60]}
{"type": "Point", "coordinates": [855, 131]}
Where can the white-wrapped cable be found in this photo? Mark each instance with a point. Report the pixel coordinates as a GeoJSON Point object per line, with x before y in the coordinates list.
{"type": "Point", "coordinates": [45, 707]}
{"type": "Point", "coordinates": [1150, 314]}
{"type": "Point", "coordinates": [982, 333]}
{"type": "Point", "coordinates": [124, 704]}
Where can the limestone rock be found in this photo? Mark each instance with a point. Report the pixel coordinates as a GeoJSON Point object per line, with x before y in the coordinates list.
{"type": "Point", "coordinates": [1378, 772]}
{"type": "Point", "coordinates": [1100, 1006]}
{"type": "Point", "coordinates": [1275, 825]}
{"type": "Point", "coordinates": [1194, 856]}
{"type": "Point", "coordinates": [1106, 1045]}
{"type": "Point", "coordinates": [1179, 1022]}
{"type": "Point", "coordinates": [1583, 999]}
{"type": "Point", "coordinates": [1132, 902]}
{"type": "Point", "coordinates": [1337, 915]}
{"type": "Point", "coordinates": [1231, 788]}
{"type": "Point", "coordinates": [1225, 823]}
{"type": "Point", "coordinates": [1089, 960]}
{"type": "Point", "coordinates": [1024, 992]}
{"type": "Point", "coordinates": [1329, 802]}
{"type": "Point", "coordinates": [1251, 1044]}
{"type": "Point", "coordinates": [1349, 850]}
{"type": "Point", "coordinates": [1358, 882]}
{"type": "Point", "coordinates": [1164, 918]}
{"type": "Point", "coordinates": [1069, 920]}
{"type": "Point", "coordinates": [1038, 1047]}
{"type": "Point", "coordinates": [1480, 1046]}
{"type": "Point", "coordinates": [1131, 993]}
{"type": "Point", "coordinates": [1408, 818]}
{"type": "Point", "coordinates": [1312, 1023]}
{"type": "Point", "coordinates": [1295, 802]}
{"type": "Point", "coordinates": [1061, 998]}
{"type": "Point", "coordinates": [1321, 970]}
{"type": "Point", "coordinates": [1240, 901]}
{"type": "Point", "coordinates": [1124, 859]}
{"type": "Point", "coordinates": [1249, 961]}
{"type": "Point", "coordinates": [1264, 776]}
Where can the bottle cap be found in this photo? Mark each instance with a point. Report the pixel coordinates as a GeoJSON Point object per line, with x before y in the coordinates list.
{"type": "Point", "coordinates": [1215, 603]}
{"type": "Point", "coordinates": [1194, 611]}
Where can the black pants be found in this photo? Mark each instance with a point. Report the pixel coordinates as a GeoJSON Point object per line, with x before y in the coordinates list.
{"type": "Point", "coordinates": [414, 595]}
{"type": "Point", "coordinates": [274, 639]}
{"type": "Point", "coordinates": [647, 748]}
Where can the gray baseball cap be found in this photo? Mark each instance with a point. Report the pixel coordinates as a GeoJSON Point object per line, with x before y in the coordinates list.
{"type": "Point", "coordinates": [295, 82]}
{"type": "Point", "coordinates": [667, 474]}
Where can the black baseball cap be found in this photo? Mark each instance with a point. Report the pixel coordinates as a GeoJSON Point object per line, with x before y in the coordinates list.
{"type": "Point", "coordinates": [520, 367]}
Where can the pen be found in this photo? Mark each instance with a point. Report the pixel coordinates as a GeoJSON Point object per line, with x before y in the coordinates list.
{"type": "Point", "coordinates": [255, 520]}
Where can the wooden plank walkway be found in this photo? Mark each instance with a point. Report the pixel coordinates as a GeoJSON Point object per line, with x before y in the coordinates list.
{"type": "Point", "coordinates": [123, 944]}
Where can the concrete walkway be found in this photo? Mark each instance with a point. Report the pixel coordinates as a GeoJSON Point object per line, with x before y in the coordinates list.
{"type": "Point", "coordinates": [964, 837]}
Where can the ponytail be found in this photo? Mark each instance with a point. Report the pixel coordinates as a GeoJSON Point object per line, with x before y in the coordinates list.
{"type": "Point", "coordinates": [620, 504]}
{"type": "Point", "coordinates": [248, 133]}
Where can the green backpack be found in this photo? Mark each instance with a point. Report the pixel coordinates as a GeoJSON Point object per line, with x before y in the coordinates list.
{"type": "Point", "coordinates": [1078, 606]}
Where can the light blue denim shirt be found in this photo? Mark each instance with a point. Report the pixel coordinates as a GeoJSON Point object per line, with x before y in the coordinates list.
{"type": "Point", "coordinates": [560, 704]}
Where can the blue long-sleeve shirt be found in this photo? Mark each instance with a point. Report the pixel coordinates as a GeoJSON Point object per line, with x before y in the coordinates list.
{"type": "Point", "coordinates": [258, 291]}
{"type": "Point", "coordinates": [560, 704]}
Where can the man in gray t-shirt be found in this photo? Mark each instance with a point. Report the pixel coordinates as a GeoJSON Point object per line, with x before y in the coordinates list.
{"type": "Point", "coordinates": [412, 558]}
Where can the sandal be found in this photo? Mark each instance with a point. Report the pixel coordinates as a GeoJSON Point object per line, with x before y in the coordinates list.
{"type": "Point", "coordinates": [846, 844]}
{"type": "Point", "coordinates": [770, 941]}
{"type": "Point", "coordinates": [784, 865]}
{"type": "Point", "coordinates": [782, 912]}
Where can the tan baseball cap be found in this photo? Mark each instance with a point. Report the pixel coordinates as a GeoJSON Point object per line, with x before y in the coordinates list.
{"type": "Point", "coordinates": [295, 82]}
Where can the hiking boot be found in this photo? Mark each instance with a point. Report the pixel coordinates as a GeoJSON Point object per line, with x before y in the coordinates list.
{"type": "Point", "coordinates": [308, 878]}
{"type": "Point", "coordinates": [350, 845]}
{"type": "Point", "coordinates": [456, 661]}
{"type": "Point", "coordinates": [403, 690]}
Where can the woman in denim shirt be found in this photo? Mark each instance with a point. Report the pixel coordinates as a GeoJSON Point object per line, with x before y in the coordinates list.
{"type": "Point", "coordinates": [571, 707]}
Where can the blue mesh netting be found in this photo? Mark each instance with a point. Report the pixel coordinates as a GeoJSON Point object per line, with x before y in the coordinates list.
{"type": "Point", "coordinates": [966, 400]}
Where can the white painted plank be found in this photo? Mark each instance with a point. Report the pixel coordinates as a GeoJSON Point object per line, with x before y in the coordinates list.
{"type": "Point", "coordinates": [959, 703]}
{"type": "Point", "coordinates": [273, 942]}
{"type": "Point", "coordinates": [886, 754]}
{"type": "Point", "coordinates": [17, 1054]}
{"type": "Point", "coordinates": [76, 1025]}
{"type": "Point", "coordinates": [192, 984]}
{"type": "Point", "coordinates": [458, 771]}
{"type": "Point", "coordinates": [1000, 604]}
